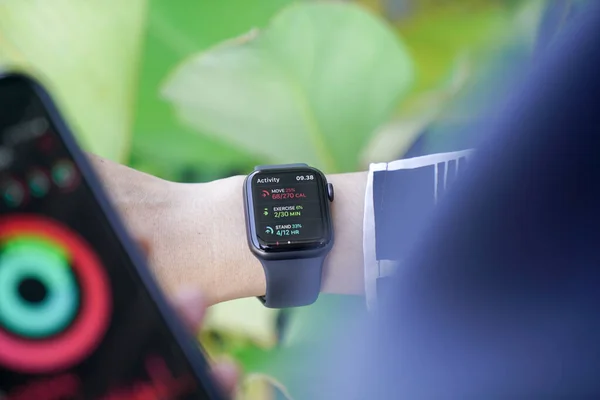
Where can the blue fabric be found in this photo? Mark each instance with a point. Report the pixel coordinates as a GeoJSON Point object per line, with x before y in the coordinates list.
{"type": "Point", "coordinates": [500, 297]}
{"type": "Point", "coordinates": [404, 200]}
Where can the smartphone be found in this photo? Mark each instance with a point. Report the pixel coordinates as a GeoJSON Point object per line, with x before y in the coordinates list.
{"type": "Point", "coordinates": [80, 314]}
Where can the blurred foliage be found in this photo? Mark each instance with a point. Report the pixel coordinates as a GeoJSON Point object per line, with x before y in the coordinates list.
{"type": "Point", "coordinates": [298, 364]}
{"type": "Point", "coordinates": [176, 30]}
{"type": "Point", "coordinates": [311, 87]}
{"type": "Point", "coordinates": [87, 52]}
{"type": "Point", "coordinates": [466, 53]}
{"type": "Point", "coordinates": [198, 90]}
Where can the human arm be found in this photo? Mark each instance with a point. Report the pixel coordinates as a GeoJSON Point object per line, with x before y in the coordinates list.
{"type": "Point", "coordinates": [198, 238]}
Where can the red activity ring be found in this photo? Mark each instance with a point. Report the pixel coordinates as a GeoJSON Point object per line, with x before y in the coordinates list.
{"type": "Point", "coordinates": [88, 329]}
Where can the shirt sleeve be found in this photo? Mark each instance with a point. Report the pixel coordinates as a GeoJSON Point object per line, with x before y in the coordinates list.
{"type": "Point", "coordinates": [399, 198]}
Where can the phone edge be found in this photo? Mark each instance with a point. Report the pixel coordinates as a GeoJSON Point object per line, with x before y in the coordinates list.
{"type": "Point", "coordinates": [196, 358]}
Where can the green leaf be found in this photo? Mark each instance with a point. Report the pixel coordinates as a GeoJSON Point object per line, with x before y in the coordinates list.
{"type": "Point", "coordinates": [312, 87]}
{"type": "Point", "coordinates": [162, 145]}
{"type": "Point", "coordinates": [87, 53]}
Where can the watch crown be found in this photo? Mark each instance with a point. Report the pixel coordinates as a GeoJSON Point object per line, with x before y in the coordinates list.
{"type": "Point", "coordinates": [330, 191]}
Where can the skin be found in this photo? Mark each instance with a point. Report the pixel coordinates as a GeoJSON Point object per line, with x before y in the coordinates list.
{"type": "Point", "coordinates": [199, 253]}
{"type": "Point", "coordinates": [198, 238]}
{"type": "Point", "coordinates": [191, 307]}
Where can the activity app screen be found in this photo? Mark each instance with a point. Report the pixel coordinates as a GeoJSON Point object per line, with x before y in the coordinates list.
{"type": "Point", "coordinates": [75, 321]}
{"type": "Point", "coordinates": [288, 209]}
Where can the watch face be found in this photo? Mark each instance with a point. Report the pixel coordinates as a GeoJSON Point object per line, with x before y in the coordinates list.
{"type": "Point", "coordinates": [290, 208]}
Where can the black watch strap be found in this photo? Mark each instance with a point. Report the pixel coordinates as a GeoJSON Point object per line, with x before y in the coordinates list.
{"type": "Point", "coordinates": [292, 283]}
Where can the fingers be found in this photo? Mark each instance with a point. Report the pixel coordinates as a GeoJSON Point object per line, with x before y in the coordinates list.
{"type": "Point", "coordinates": [226, 374]}
{"type": "Point", "coordinates": [144, 247]}
{"type": "Point", "coordinates": [191, 307]}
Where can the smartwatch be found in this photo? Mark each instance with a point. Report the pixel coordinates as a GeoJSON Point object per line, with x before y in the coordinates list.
{"type": "Point", "coordinates": [289, 229]}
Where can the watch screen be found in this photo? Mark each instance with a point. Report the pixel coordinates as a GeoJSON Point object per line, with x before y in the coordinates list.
{"type": "Point", "coordinates": [289, 209]}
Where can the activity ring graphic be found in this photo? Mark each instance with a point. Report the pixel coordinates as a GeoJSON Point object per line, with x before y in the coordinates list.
{"type": "Point", "coordinates": [69, 319]}
{"type": "Point", "coordinates": [50, 316]}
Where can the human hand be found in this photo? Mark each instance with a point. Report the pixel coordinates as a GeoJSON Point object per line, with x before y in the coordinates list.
{"type": "Point", "coordinates": [191, 307]}
{"type": "Point", "coordinates": [196, 231]}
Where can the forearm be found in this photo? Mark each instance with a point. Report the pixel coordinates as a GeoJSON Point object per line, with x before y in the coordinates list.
{"type": "Point", "coordinates": [197, 232]}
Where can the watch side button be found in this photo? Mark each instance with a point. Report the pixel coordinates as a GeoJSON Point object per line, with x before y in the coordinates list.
{"type": "Point", "coordinates": [330, 192]}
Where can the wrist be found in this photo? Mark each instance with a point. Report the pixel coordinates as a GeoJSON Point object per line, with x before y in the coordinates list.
{"type": "Point", "coordinates": [212, 217]}
{"type": "Point", "coordinates": [213, 214]}
{"type": "Point", "coordinates": [344, 266]}
{"type": "Point", "coordinates": [201, 240]}
{"type": "Point", "coordinates": [196, 232]}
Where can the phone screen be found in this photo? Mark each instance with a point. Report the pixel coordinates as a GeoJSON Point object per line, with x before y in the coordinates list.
{"type": "Point", "coordinates": [76, 320]}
